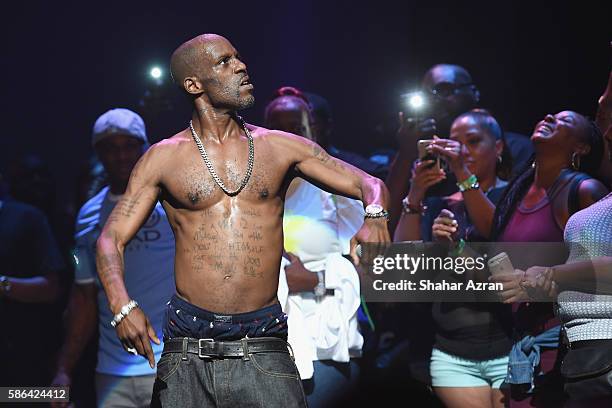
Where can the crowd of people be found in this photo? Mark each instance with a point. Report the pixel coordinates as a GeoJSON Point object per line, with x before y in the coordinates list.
{"type": "Point", "coordinates": [219, 266]}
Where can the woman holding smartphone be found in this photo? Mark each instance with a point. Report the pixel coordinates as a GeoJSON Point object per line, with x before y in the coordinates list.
{"type": "Point", "coordinates": [469, 359]}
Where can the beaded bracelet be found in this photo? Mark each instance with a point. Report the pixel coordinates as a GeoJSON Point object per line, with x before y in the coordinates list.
{"type": "Point", "coordinates": [471, 183]}
{"type": "Point", "coordinates": [408, 208]}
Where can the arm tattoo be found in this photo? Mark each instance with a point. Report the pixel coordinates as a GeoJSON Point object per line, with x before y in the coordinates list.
{"type": "Point", "coordinates": [110, 266]}
{"type": "Point", "coordinates": [320, 154]}
{"type": "Point", "coordinates": [124, 208]}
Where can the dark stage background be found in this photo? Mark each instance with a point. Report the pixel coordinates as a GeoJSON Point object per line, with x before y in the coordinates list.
{"type": "Point", "coordinates": [64, 63]}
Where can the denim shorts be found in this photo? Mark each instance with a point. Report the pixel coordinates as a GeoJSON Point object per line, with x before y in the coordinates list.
{"type": "Point", "coordinates": [183, 319]}
{"type": "Point", "coordinates": [448, 370]}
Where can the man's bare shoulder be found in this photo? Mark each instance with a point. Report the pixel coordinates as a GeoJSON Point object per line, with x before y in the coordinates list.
{"type": "Point", "coordinates": [279, 138]}
{"type": "Point", "coordinates": [171, 144]}
{"type": "Point", "coordinates": [160, 157]}
{"type": "Point", "coordinates": [167, 148]}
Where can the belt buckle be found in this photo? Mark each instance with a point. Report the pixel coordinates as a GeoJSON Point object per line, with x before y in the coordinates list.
{"type": "Point", "coordinates": [200, 341]}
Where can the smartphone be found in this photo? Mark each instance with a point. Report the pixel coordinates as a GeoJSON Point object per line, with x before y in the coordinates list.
{"type": "Point", "coordinates": [500, 263]}
{"type": "Point", "coordinates": [425, 155]}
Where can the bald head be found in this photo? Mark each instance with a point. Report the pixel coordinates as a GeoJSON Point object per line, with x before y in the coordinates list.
{"type": "Point", "coordinates": [209, 69]}
{"type": "Point", "coordinates": [453, 91]}
{"type": "Point", "coordinates": [453, 74]}
{"type": "Point", "coordinates": [186, 60]}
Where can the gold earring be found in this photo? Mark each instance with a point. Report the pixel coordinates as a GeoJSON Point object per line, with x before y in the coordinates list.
{"type": "Point", "coordinates": [576, 161]}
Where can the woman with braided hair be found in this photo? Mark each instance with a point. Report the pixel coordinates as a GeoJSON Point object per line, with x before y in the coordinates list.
{"type": "Point", "coordinates": [535, 207]}
{"type": "Point", "coordinates": [582, 288]}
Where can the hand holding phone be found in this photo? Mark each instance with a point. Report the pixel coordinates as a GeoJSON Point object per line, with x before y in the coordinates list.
{"type": "Point", "coordinates": [500, 264]}
{"type": "Point", "coordinates": [424, 154]}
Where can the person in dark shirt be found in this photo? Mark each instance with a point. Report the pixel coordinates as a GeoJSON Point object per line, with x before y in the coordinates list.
{"type": "Point", "coordinates": [472, 340]}
{"type": "Point", "coordinates": [29, 265]}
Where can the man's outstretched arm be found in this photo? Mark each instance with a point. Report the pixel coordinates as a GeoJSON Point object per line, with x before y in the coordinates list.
{"type": "Point", "coordinates": [125, 220]}
{"type": "Point", "coordinates": [314, 164]}
{"type": "Point", "coordinates": [335, 176]}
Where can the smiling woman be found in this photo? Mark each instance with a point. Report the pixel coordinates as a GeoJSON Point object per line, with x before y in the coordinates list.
{"type": "Point", "coordinates": [569, 134]}
{"type": "Point", "coordinates": [567, 147]}
{"type": "Point", "coordinates": [535, 208]}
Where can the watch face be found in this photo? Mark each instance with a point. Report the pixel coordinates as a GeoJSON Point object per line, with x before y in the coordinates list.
{"type": "Point", "coordinates": [373, 209]}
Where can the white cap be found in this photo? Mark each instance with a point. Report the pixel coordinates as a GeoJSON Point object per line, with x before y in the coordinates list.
{"type": "Point", "coordinates": [119, 121]}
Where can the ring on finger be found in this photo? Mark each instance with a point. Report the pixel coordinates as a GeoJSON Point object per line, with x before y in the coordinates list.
{"type": "Point", "coordinates": [132, 350]}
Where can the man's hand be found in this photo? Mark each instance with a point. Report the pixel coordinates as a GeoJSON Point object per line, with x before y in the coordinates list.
{"type": "Point", "coordinates": [299, 279]}
{"type": "Point", "coordinates": [134, 332]}
{"type": "Point", "coordinates": [605, 100]}
{"type": "Point", "coordinates": [373, 231]}
{"type": "Point", "coordinates": [444, 226]}
{"type": "Point", "coordinates": [603, 118]}
{"type": "Point", "coordinates": [423, 177]}
{"type": "Point", "coordinates": [410, 131]}
{"type": "Point", "coordinates": [534, 284]}
{"type": "Point", "coordinates": [61, 379]}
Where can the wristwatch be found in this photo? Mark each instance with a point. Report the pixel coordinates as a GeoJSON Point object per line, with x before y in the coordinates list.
{"type": "Point", "coordinates": [5, 284]}
{"type": "Point", "coordinates": [319, 290]}
{"type": "Point", "coordinates": [376, 211]}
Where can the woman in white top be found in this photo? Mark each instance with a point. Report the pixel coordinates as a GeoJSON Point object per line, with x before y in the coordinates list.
{"type": "Point", "coordinates": [318, 288]}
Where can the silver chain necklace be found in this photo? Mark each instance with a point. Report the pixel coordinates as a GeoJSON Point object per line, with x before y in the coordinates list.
{"type": "Point", "coordinates": [209, 164]}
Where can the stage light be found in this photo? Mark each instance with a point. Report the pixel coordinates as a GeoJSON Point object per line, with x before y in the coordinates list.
{"type": "Point", "coordinates": [156, 72]}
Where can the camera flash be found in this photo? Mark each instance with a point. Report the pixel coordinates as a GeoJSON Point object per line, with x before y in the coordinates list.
{"type": "Point", "coordinates": [416, 101]}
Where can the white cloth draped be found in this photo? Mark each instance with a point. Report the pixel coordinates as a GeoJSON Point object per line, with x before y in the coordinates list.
{"type": "Point", "coordinates": [318, 227]}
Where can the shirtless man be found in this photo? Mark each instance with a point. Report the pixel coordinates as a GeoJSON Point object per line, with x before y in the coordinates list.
{"type": "Point", "coordinates": [227, 221]}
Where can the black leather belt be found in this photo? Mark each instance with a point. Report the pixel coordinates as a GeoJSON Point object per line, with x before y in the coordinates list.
{"type": "Point", "coordinates": [602, 343]}
{"type": "Point", "coordinates": [209, 348]}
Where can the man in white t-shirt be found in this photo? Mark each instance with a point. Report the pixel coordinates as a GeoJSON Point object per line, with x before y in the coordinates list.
{"type": "Point", "coordinates": [122, 378]}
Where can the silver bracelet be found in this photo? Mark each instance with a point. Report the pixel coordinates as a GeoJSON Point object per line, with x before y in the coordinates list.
{"type": "Point", "coordinates": [125, 310]}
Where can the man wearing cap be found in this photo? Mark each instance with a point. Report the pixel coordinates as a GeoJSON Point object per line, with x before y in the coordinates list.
{"type": "Point", "coordinates": [123, 379]}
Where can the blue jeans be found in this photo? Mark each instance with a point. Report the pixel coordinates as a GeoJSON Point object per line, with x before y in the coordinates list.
{"type": "Point", "coordinates": [264, 380]}
{"type": "Point", "coordinates": [268, 379]}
